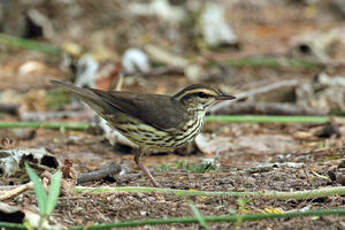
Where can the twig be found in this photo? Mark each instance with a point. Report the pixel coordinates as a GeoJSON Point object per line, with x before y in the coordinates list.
{"type": "Point", "coordinates": [24, 134]}
{"type": "Point", "coordinates": [29, 44]}
{"type": "Point", "coordinates": [253, 92]}
{"type": "Point", "coordinates": [119, 82]}
{"type": "Point", "coordinates": [269, 108]}
{"type": "Point", "coordinates": [164, 70]}
{"type": "Point", "coordinates": [158, 54]}
{"type": "Point", "coordinates": [320, 176]}
{"type": "Point", "coordinates": [16, 191]}
{"type": "Point", "coordinates": [317, 193]}
{"type": "Point", "coordinates": [99, 174]}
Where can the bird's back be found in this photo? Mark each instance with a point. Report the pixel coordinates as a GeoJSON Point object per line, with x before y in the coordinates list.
{"type": "Point", "coordinates": [160, 111]}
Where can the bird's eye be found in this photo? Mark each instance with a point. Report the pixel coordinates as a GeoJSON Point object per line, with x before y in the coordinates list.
{"type": "Point", "coordinates": [203, 95]}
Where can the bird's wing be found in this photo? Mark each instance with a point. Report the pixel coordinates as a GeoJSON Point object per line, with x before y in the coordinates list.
{"type": "Point", "coordinates": [160, 111]}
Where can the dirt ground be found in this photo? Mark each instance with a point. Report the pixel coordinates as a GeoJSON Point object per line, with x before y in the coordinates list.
{"type": "Point", "coordinates": [301, 159]}
{"type": "Point", "coordinates": [237, 172]}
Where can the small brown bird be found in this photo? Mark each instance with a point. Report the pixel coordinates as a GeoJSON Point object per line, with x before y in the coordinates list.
{"type": "Point", "coordinates": [152, 121]}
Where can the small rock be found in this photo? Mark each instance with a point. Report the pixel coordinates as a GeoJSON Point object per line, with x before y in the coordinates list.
{"type": "Point", "coordinates": [143, 213]}
{"type": "Point", "coordinates": [135, 60]}
{"type": "Point", "coordinates": [342, 164]}
{"type": "Point", "coordinates": [328, 131]}
{"type": "Point", "coordinates": [249, 144]}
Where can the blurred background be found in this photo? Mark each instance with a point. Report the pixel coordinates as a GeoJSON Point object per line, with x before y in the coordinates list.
{"type": "Point", "coordinates": [161, 46]}
{"type": "Point", "coordinates": [281, 57]}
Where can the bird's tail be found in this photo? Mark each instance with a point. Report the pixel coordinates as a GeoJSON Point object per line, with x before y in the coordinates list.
{"type": "Point", "coordinates": [86, 95]}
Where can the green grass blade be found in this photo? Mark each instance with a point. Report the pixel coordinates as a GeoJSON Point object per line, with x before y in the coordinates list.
{"type": "Point", "coordinates": [198, 215]}
{"type": "Point", "coordinates": [28, 44]}
{"type": "Point", "coordinates": [41, 195]}
{"type": "Point", "coordinates": [213, 219]}
{"type": "Point", "coordinates": [298, 195]}
{"type": "Point", "coordinates": [269, 118]}
{"type": "Point", "coordinates": [81, 126]}
{"type": "Point", "coordinates": [50, 125]}
{"type": "Point", "coordinates": [192, 220]}
{"type": "Point", "coordinates": [54, 191]}
{"type": "Point", "coordinates": [8, 225]}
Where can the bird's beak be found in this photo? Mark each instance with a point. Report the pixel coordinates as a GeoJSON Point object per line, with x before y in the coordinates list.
{"type": "Point", "coordinates": [225, 97]}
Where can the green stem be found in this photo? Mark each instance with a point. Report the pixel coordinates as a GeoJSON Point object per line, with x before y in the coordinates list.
{"type": "Point", "coordinates": [308, 194]}
{"type": "Point", "coordinates": [198, 215]}
{"type": "Point", "coordinates": [42, 220]}
{"type": "Point", "coordinates": [51, 125]}
{"type": "Point", "coordinates": [29, 44]}
{"type": "Point", "coordinates": [231, 119]}
{"type": "Point", "coordinates": [273, 119]}
{"type": "Point", "coordinates": [191, 220]}
{"type": "Point", "coordinates": [7, 225]}
{"type": "Point", "coordinates": [267, 62]}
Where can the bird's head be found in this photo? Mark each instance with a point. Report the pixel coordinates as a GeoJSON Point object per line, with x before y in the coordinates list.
{"type": "Point", "coordinates": [200, 97]}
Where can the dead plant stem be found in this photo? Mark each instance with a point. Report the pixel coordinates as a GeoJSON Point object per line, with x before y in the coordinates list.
{"type": "Point", "coordinates": [298, 195]}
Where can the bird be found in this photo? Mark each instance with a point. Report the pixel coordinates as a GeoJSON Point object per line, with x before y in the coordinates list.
{"type": "Point", "coordinates": [152, 121]}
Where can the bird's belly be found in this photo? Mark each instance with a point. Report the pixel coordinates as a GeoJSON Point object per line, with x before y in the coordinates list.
{"type": "Point", "coordinates": [145, 135]}
{"type": "Point", "coordinates": [185, 135]}
{"type": "Point", "coordinates": [141, 134]}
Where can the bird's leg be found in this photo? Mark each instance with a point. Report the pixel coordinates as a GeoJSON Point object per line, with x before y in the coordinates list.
{"type": "Point", "coordinates": [137, 158]}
